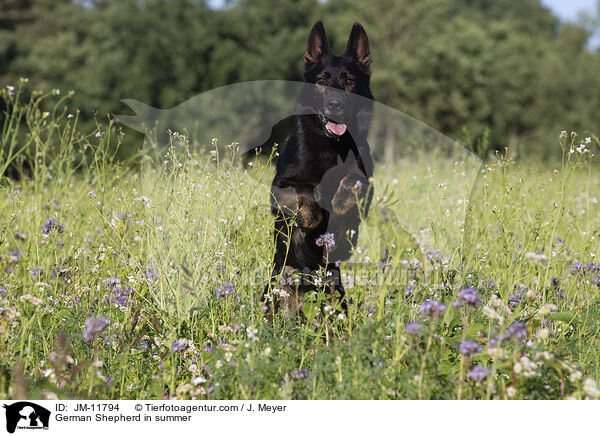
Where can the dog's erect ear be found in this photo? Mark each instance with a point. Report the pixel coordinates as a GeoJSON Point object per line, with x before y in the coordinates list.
{"type": "Point", "coordinates": [358, 45]}
{"type": "Point", "coordinates": [317, 44]}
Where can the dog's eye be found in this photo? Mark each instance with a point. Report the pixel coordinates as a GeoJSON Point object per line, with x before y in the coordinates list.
{"type": "Point", "coordinates": [348, 83]}
{"type": "Point", "coordinates": [321, 81]}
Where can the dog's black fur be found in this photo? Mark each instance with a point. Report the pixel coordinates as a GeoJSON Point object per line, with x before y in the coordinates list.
{"type": "Point", "coordinates": [326, 160]}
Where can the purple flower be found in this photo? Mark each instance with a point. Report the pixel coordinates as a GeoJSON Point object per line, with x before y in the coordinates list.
{"type": "Point", "coordinates": [468, 348]}
{"type": "Point", "coordinates": [119, 296]}
{"type": "Point", "coordinates": [14, 256]}
{"type": "Point", "coordinates": [469, 296]}
{"type": "Point", "coordinates": [554, 282]}
{"type": "Point", "coordinates": [300, 373]}
{"type": "Point", "coordinates": [151, 274]}
{"type": "Point", "coordinates": [36, 272]}
{"type": "Point", "coordinates": [95, 325]}
{"type": "Point", "coordinates": [225, 290]}
{"type": "Point", "coordinates": [412, 328]}
{"type": "Point", "coordinates": [111, 281]}
{"type": "Point", "coordinates": [50, 225]}
{"type": "Point", "coordinates": [179, 345]}
{"type": "Point", "coordinates": [515, 299]}
{"type": "Point", "coordinates": [479, 373]}
{"type": "Point", "coordinates": [585, 269]}
{"type": "Point", "coordinates": [432, 309]}
{"type": "Point", "coordinates": [326, 239]}
{"type": "Point", "coordinates": [517, 330]}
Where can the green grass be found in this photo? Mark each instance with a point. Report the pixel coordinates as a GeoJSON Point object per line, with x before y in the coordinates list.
{"type": "Point", "coordinates": [176, 234]}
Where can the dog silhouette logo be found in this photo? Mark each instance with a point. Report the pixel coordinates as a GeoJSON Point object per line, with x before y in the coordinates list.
{"type": "Point", "coordinates": [26, 415]}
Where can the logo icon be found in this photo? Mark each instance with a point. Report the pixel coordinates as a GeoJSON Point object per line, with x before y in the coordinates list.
{"type": "Point", "coordinates": [26, 415]}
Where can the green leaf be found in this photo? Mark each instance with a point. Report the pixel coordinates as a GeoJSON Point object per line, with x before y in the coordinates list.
{"type": "Point", "coordinates": [567, 317]}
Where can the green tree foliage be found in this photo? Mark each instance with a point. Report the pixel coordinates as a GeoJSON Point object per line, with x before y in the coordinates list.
{"type": "Point", "coordinates": [462, 66]}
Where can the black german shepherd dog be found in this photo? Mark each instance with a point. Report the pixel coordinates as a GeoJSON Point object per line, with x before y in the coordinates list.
{"type": "Point", "coordinates": [325, 165]}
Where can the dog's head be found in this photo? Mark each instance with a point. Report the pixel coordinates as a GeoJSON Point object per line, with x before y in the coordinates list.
{"type": "Point", "coordinates": [335, 79]}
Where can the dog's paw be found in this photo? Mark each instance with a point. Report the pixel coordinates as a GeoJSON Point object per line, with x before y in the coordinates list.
{"type": "Point", "coordinates": [309, 213]}
{"type": "Point", "coordinates": [345, 197]}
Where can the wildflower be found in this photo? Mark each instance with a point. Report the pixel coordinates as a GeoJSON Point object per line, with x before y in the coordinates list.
{"type": "Point", "coordinates": [590, 388]}
{"type": "Point", "coordinates": [515, 299]}
{"type": "Point", "coordinates": [151, 274]}
{"type": "Point", "coordinates": [511, 392]}
{"type": "Point", "coordinates": [252, 333]}
{"type": "Point", "coordinates": [537, 258]}
{"type": "Point", "coordinates": [31, 299]}
{"type": "Point", "coordinates": [546, 309]}
{"type": "Point", "coordinates": [95, 325]}
{"type": "Point", "coordinates": [179, 345]}
{"type": "Point", "coordinates": [281, 292]}
{"type": "Point", "coordinates": [432, 309]}
{"type": "Point", "coordinates": [225, 290]}
{"type": "Point", "coordinates": [478, 373]}
{"type": "Point", "coordinates": [14, 256]}
{"type": "Point", "coordinates": [492, 314]}
{"type": "Point", "coordinates": [412, 328]}
{"type": "Point", "coordinates": [469, 296]}
{"type": "Point", "coordinates": [36, 271]}
{"type": "Point", "coordinates": [468, 348]}
{"type": "Point", "coordinates": [517, 330]}
{"type": "Point", "coordinates": [543, 333]}
{"type": "Point", "coordinates": [50, 225]}
{"type": "Point", "coordinates": [326, 239]}
{"type": "Point", "coordinates": [300, 373]}
{"type": "Point", "coordinates": [119, 295]}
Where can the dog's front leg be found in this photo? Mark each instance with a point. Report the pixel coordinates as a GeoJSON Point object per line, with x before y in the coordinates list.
{"type": "Point", "coordinates": [299, 201]}
{"type": "Point", "coordinates": [344, 198]}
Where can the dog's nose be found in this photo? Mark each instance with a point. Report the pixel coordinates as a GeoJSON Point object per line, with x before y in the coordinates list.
{"type": "Point", "coordinates": [334, 106]}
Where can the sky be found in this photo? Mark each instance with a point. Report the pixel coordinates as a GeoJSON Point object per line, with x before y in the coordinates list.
{"type": "Point", "coordinates": [568, 9]}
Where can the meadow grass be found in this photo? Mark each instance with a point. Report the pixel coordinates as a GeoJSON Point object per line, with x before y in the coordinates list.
{"type": "Point", "coordinates": [123, 281]}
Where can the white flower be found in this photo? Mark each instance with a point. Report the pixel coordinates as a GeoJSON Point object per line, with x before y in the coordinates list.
{"type": "Point", "coordinates": [590, 388]}
{"type": "Point", "coordinates": [537, 258]}
{"type": "Point", "coordinates": [543, 333]}
{"type": "Point", "coordinates": [281, 292]}
{"type": "Point", "coordinates": [510, 391]}
{"type": "Point", "coordinates": [30, 299]}
{"type": "Point", "coordinates": [492, 314]}
{"type": "Point", "coordinates": [198, 380]}
{"type": "Point", "coordinates": [545, 310]}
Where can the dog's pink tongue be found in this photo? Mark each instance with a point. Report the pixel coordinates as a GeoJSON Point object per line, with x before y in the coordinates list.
{"type": "Point", "coordinates": [336, 129]}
